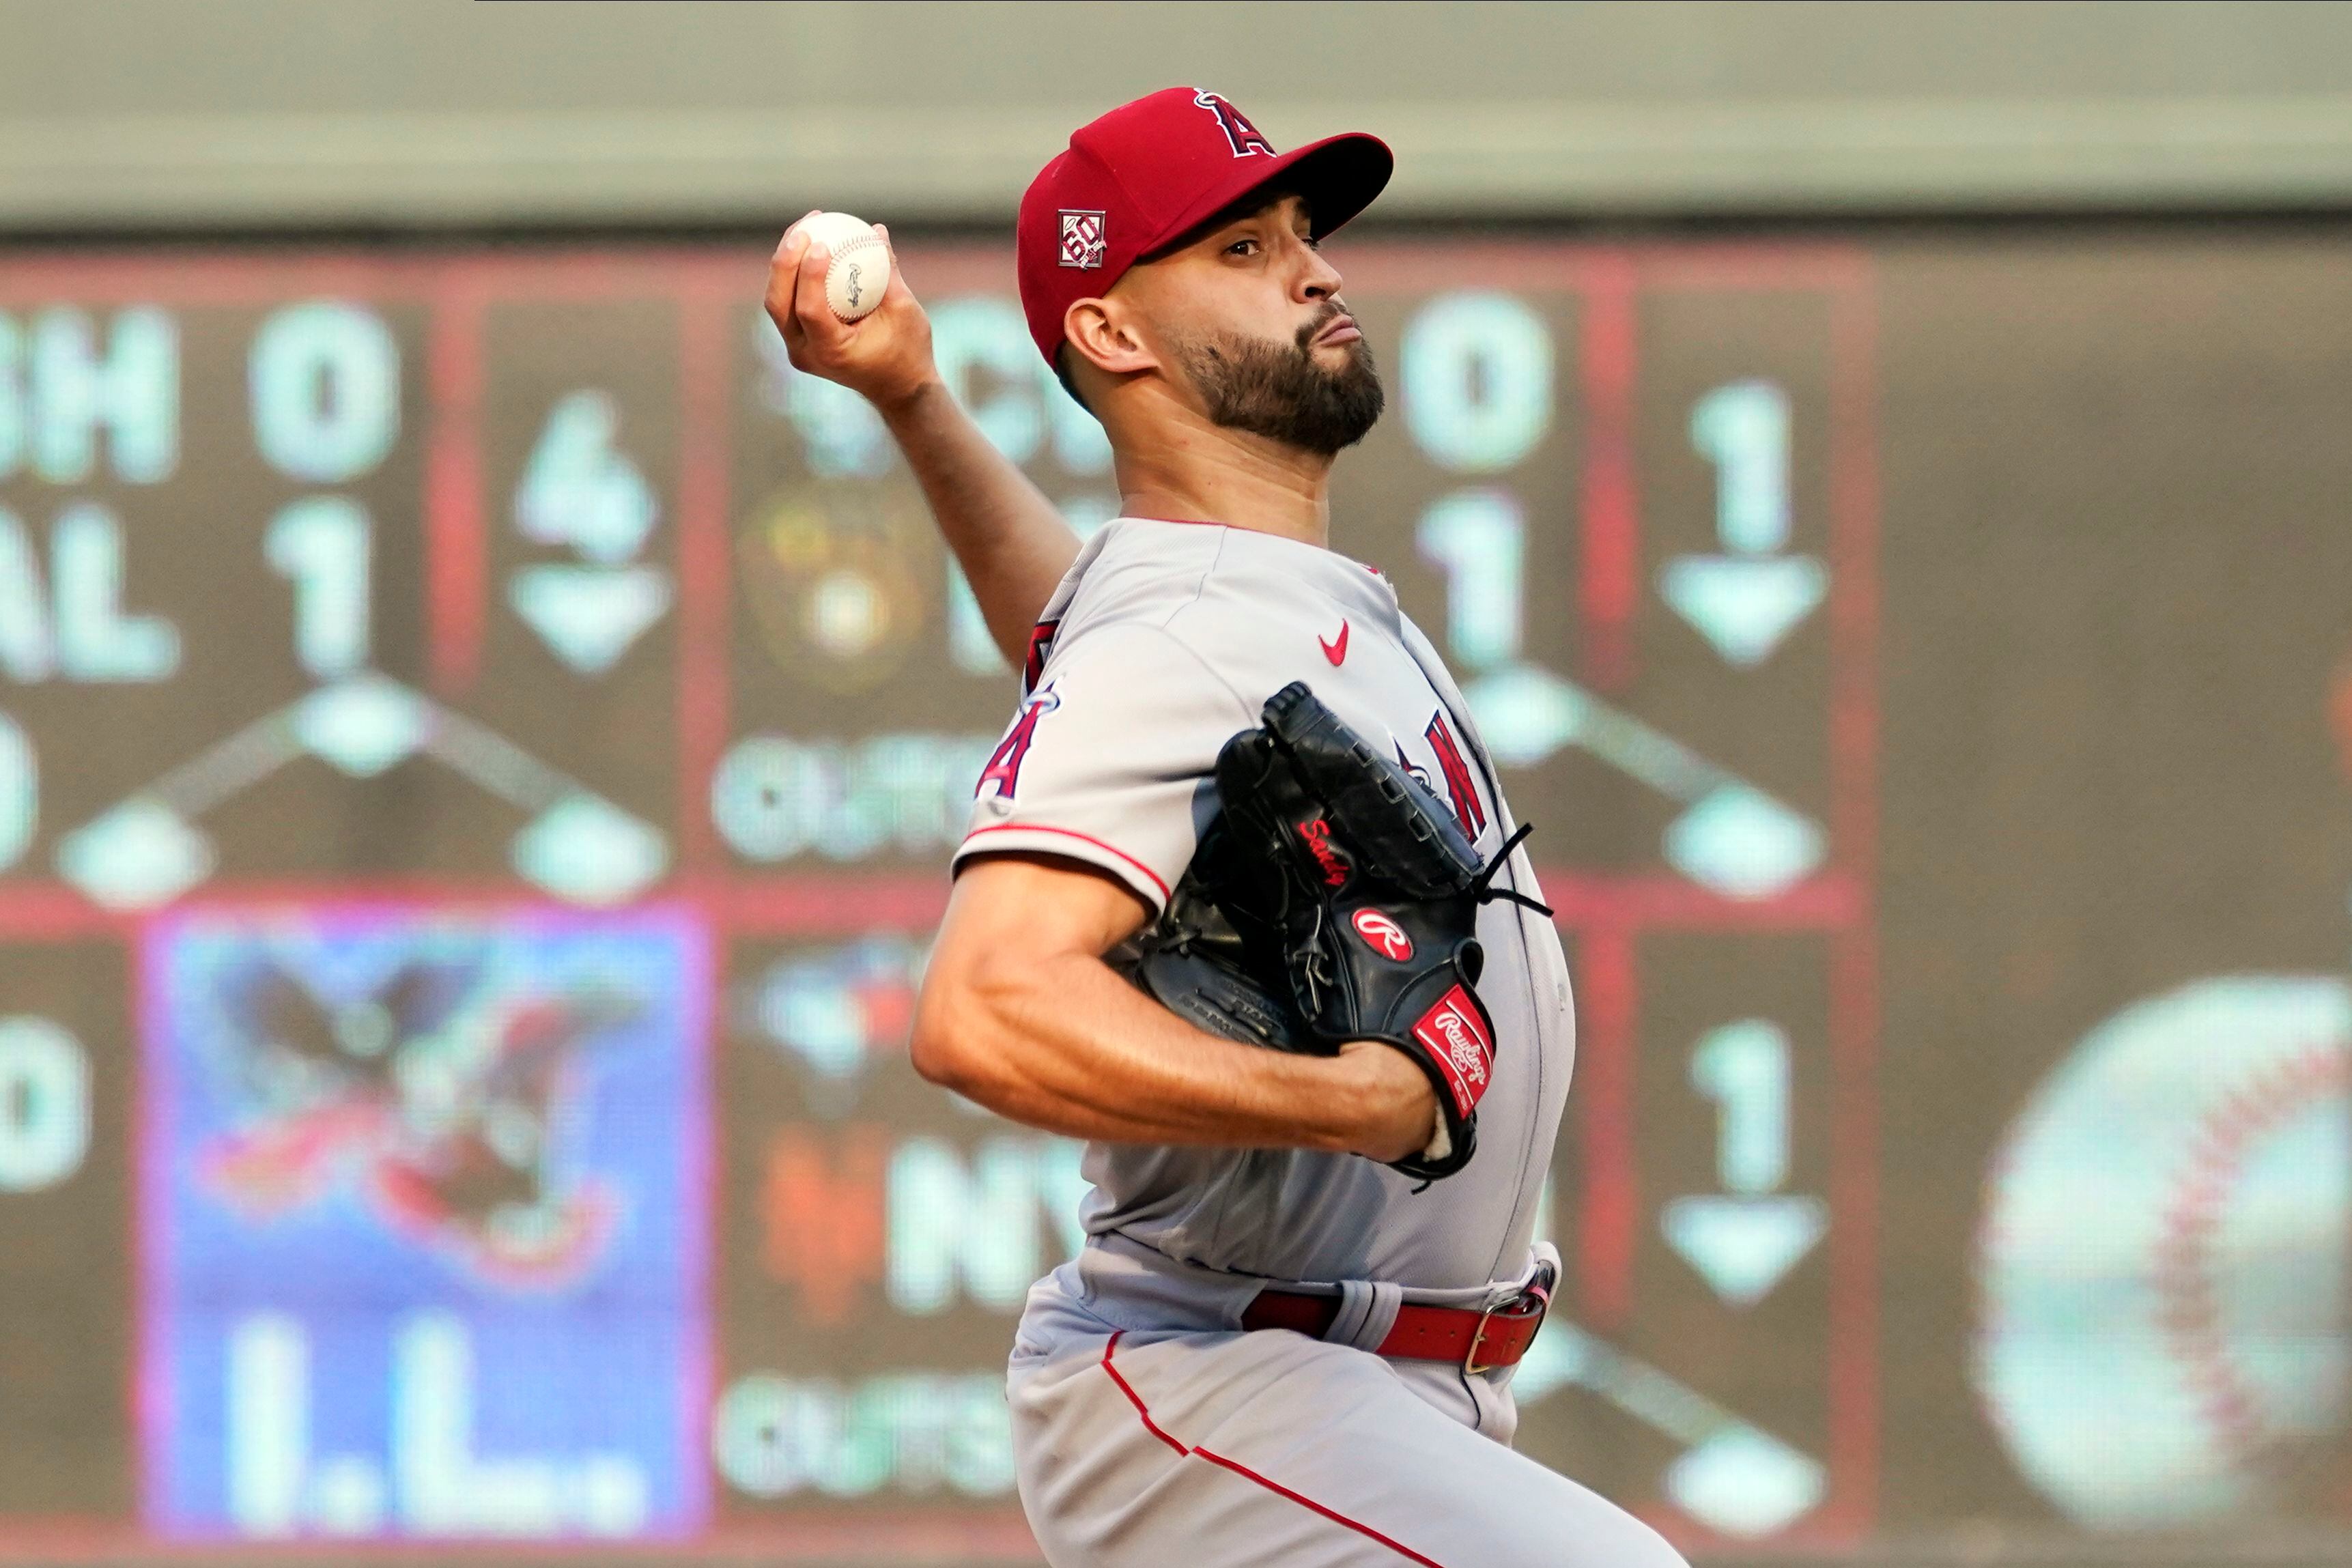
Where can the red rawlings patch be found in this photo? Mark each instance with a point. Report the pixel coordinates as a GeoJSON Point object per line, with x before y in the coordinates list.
{"type": "Point", "coordinates": [1455, 1035]}
{"type": "Point", "coordinates": [1384, 936]}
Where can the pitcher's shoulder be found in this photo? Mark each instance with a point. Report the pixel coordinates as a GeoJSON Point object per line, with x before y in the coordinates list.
{"type": "Point", "coordinates": [1136, 572]}
{"type": "Point", "coordinates": [1250, 606]}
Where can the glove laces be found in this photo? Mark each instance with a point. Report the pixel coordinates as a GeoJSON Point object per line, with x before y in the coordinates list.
{"type": "Point", "coordinates": [1483, 884]}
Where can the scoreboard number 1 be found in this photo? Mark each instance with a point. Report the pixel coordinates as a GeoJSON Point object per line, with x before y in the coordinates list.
{"type": "Point", "coordinates": [19, 792]}
{"type": "Point", "coordinates": [321, 544]}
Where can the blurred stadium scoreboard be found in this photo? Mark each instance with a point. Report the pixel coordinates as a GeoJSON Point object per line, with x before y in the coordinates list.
{"type": "Point", "coordinates": [479, 740]}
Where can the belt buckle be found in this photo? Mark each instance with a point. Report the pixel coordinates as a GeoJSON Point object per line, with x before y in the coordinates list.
{"type": "Point", "coordinates": [1513, 1310]}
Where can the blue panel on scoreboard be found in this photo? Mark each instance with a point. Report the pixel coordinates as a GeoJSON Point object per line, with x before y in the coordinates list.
{"type": "Point", "coordinates": [425, 1208]}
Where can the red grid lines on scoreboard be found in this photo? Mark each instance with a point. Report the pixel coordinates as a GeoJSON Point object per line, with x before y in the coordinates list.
{"type": "Point", "coordinates": [1605, 913]}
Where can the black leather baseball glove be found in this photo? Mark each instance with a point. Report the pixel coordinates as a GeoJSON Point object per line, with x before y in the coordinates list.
{"type": "Point", "coordinates": [1335, 899]}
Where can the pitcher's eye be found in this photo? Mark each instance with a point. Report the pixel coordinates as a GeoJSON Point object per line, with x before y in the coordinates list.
{"type": "Point", "coordinates": [1242, 248]}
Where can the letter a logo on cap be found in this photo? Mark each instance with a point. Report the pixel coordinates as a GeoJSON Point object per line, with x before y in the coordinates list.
{"type": "Point", "coordinates": [1246, 141]}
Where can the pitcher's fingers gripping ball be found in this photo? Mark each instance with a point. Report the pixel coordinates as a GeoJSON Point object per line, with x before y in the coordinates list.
{"type": "Point", "coordinates": [856, 262]}
{"type": "Point", "coordinates": [844, 308]}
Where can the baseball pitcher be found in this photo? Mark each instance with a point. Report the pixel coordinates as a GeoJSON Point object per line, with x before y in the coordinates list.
{"type": "Point", "coordinates": [1241, 903]}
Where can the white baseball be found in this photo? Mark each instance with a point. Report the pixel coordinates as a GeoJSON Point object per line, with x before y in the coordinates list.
{"type": "Point", "coordinates": [859, 272]}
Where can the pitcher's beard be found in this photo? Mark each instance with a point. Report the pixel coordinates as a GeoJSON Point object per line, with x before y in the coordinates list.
{"type": "Point", "coordinates": [1280, 391]}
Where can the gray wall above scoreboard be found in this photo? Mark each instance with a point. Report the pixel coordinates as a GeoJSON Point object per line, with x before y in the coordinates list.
{"type": "Point", "coordinates": [245, 113]}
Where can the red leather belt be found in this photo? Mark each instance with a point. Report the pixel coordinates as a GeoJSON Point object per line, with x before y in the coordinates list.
{"type": "Point", "coordinates": [1480, 1342]}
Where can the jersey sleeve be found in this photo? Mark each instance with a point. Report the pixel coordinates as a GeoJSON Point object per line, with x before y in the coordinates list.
{"type": "Point", "coordinates": [1110, 760]}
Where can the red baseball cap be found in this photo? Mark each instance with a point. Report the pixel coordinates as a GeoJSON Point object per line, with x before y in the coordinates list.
{"type": "Point", "coordinates": [1147, 171]}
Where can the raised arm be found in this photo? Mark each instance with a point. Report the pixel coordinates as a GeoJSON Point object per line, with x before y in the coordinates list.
{"type": "Point", "coordinates": [1013, 544]}
{"type": "Point", "coordinates": [1019, 1012]}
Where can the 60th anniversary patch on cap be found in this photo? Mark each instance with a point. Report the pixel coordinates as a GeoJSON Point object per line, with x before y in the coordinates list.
{"type": "Point", "coordinates": [1083, 241]}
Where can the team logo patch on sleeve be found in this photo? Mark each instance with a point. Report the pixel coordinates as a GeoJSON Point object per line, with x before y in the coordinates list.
{"type": "Point", "coordinates": [1455, 1030]}
{"type": "Point", "coordinates": [1003, 769]}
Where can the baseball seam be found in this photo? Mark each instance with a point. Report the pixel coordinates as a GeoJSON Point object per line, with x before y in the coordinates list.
{"type": "Point", "coordinates": [2190, 1308]}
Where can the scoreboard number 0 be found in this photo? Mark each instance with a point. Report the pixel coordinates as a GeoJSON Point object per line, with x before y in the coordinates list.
{"type": "Point", "coordinates": [44, 1105]}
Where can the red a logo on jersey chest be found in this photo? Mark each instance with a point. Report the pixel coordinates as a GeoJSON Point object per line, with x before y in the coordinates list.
{"type": "Point", "coordinates": [1003, 769]}
{"type": "Point", "coordinates": [1466, 808]}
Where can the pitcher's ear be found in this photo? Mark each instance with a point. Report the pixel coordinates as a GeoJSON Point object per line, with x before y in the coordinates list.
{"type": "Point", "coordinates": [1099, 333]}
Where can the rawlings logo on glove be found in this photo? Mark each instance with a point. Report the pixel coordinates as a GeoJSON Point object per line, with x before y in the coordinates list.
{"type": "Point", "coordinates": [1322, 837]}
{"type": "Point", "coordinates": [1453, 1033]}
{"type": "Point", "coordinates": [1385, 935]}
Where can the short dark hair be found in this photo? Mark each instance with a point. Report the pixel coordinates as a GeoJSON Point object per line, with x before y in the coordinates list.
{"type": "Point", "coordinates": [1062, 374]}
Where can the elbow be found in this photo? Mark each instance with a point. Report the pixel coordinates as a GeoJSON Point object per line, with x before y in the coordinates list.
{"type": "Point", "coordinates": [967, 1035]}
{"type": "Point", "coordinates": [945, 1045]}
{"type": "Point", "coordinates": [934, 1050]}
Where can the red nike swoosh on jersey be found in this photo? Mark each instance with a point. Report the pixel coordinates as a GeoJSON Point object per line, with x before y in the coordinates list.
{"type": "Point", "coordinates": [1335, 652]}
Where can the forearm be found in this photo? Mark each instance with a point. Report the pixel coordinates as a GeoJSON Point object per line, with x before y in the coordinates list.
{"type": "Point", "coordinates": [1011, 542]}
{"type": "Point", "coordinates": [1068, 1046]}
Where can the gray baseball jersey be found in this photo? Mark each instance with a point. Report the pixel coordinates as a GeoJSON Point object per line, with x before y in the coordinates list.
{"type": "Point", "coordinates": [1142, 1428]}
{"type": "Point", "coordinates": [1162, 642]}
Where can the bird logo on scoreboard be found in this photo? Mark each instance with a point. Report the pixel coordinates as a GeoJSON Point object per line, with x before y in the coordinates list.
{"type": "Point", "coordinates": [438, 1097]}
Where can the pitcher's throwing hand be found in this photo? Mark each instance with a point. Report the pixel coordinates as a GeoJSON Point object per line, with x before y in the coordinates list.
{"type": "Point", "coordinates": [885, 354]}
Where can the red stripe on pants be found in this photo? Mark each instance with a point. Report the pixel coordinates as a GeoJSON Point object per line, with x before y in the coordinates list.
{"type": "Point", "coordinates": [1244, 1471]}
